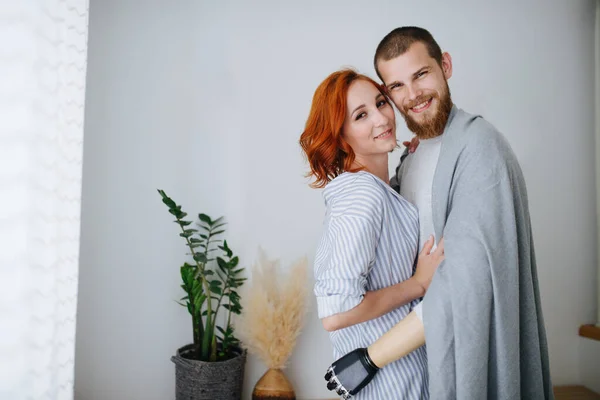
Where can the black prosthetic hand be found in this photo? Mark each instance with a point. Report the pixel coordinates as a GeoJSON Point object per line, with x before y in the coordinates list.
{"type": "Point", "coordinates": [351, 373]}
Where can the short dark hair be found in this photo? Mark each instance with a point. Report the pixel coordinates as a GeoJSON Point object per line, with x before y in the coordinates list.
{"type": "Point", "coordinates": [398, 41]}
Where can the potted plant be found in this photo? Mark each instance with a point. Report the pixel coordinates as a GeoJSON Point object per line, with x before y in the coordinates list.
{"type": "Point", "coordinates": [212, 367]}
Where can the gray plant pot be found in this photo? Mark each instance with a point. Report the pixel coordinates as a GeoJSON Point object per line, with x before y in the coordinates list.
{"type": "Point", "coordinates": [202, 380]}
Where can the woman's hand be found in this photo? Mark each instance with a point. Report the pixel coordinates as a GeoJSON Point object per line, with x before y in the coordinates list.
{"type": "Point", "coordinates": [428, 262]}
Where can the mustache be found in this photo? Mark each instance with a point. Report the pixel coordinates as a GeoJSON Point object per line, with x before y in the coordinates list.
{"type": "Point", "coordinates": [419, 100]}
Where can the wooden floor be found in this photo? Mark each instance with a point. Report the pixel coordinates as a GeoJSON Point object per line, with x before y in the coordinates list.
{"type": "Point", "coordinates": [574, 393]}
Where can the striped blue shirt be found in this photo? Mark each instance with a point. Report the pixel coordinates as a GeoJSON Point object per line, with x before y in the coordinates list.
{"type": "Point", "coordinates": [369, 242]}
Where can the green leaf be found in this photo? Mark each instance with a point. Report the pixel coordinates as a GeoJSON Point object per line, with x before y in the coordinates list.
{"type": "Point", "coordinates": [217, 225]}
{"type": "Point", "coordinates": [200, 257]}
{"type": "Point", "coordinates": [216, 290]}
{"type": "Point", "coordinates": [175, 212]}
{"type": "Point", "coordinates": [215, 283]}
{"type": "Point", "coordinates": [166, 199]}
{"type": "Point", "coordinates": [222, 265]}
{"type": "Point", "coordinates": [218, 232]}
{"type": "Point", "coordinates": [218, 220]}
{"type": "Point", "coordinates": [199, 301]}
{"type": "Point", "coordinates": [206, 228]}
{"type": "Point", "coordinates": [163, 195]}
{"type": "Point", "coordinates": [205, 218]}
{"type": "Point", "coordinates": [228, 250]}
{"type": "Point", "coordinates": [187, 275]}
{"type": "Point", "coordinates": [169, 203]}
{"type": "Point", "coordinates": [196, 240]}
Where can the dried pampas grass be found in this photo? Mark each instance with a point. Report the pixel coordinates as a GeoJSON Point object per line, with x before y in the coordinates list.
{"type": "Point", "coordinates": [274, 307]}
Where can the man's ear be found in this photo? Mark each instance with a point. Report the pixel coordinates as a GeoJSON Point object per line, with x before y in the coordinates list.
{"type": "Point", "coordinates": [447, 65]}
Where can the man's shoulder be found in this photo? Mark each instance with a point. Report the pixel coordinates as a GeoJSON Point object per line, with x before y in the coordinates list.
{"type": "Point", "coordinates": [481, 136]}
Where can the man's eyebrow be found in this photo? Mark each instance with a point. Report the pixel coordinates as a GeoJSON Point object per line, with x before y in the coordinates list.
{"type": "Point", "coordinates": [426, 67]}
{"type": "Point", "coordinates": [421, 70]}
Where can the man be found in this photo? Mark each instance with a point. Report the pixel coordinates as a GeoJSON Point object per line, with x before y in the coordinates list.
{"type": "Point", "coordinates": [481, 316]}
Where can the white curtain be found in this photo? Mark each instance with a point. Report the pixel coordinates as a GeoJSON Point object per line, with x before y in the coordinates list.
{"type": "Point", "coordinates": [43, 52]}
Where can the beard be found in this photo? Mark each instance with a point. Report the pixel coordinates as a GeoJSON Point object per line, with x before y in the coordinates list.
{"type": "Point", "coordinates": [431, 126]}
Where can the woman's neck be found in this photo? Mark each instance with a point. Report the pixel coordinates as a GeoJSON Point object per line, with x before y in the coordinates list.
{"type": "Point", "coordinates": [377, 166]}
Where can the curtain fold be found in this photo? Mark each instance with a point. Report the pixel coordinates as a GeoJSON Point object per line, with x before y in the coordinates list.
{"type": "Point", "coordinates": [43, 53]}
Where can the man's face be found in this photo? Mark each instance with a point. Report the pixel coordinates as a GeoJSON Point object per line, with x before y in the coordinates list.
{"type": "Point", "coordinates": [418, 87]}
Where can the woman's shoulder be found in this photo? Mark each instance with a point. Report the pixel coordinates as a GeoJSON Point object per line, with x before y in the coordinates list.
{"type": "Point", "coordinates": [355, 184]}
{"type": "Point", "coordinates": [355, 191]}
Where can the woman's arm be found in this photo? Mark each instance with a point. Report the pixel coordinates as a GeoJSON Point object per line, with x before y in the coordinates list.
{"type": "Point", "coordinates": [406, 336]}
{"type": "Point", "coordinates": [379, 302]}
{"type": "Point", "coordinates": [375, 304]}
{"type": "Point", "coordinates": [348, 375]}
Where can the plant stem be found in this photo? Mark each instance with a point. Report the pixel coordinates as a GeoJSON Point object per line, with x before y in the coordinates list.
{"type": "Point", "coordinates": [200, 273]}
{"type": "Point", "coordinates": [210, 328]}
{"type": "Point", "coordinates": [219, 302]}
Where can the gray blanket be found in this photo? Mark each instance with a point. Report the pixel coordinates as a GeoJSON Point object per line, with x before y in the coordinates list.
{"type": "Point", "coordinates": [482, 313]}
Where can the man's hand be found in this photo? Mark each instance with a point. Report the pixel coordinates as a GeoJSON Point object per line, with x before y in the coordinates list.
{"type": "Point", "coordinates": [351, 373]}
{"type": "Point", "coordinates": [412, 145]}
{"type": "Point", "coordinates": [428, 262]}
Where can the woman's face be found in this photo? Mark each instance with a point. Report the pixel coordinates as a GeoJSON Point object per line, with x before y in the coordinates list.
{"type": "Point", "coordinates": [370, 124]}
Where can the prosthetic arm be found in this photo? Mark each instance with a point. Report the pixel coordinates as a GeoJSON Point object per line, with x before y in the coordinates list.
{"type": "Point", "coordinates": [351, 373]}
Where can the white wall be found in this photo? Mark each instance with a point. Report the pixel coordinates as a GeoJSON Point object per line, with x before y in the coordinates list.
{"type": "Point", "coordinates": [207, 101]}
{"type": "Point", "coordinates": [590, 349]}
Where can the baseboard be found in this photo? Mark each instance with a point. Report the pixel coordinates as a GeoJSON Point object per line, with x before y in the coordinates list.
{"type": "Point", "coordinates": [574, 393]}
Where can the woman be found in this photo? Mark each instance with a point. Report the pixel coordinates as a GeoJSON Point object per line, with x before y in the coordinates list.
{"type": "Point", "coordinates": [364, 263]}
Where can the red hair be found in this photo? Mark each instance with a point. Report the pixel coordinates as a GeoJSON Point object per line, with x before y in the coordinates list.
{"type": "Point", "coordinates": [327, 152]}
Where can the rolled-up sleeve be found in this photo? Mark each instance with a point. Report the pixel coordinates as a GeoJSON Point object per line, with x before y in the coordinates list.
{"type": "Point", "coordinates": [340, 282]}
{"type": "Point", "coordinates": [418, 309]}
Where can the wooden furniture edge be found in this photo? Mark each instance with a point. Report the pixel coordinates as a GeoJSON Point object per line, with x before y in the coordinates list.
{"type": "Point", "coordinates": [590, 331]}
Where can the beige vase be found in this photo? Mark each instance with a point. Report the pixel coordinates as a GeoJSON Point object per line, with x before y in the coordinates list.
{"type": "Point", "coordinates": [273, 386]}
